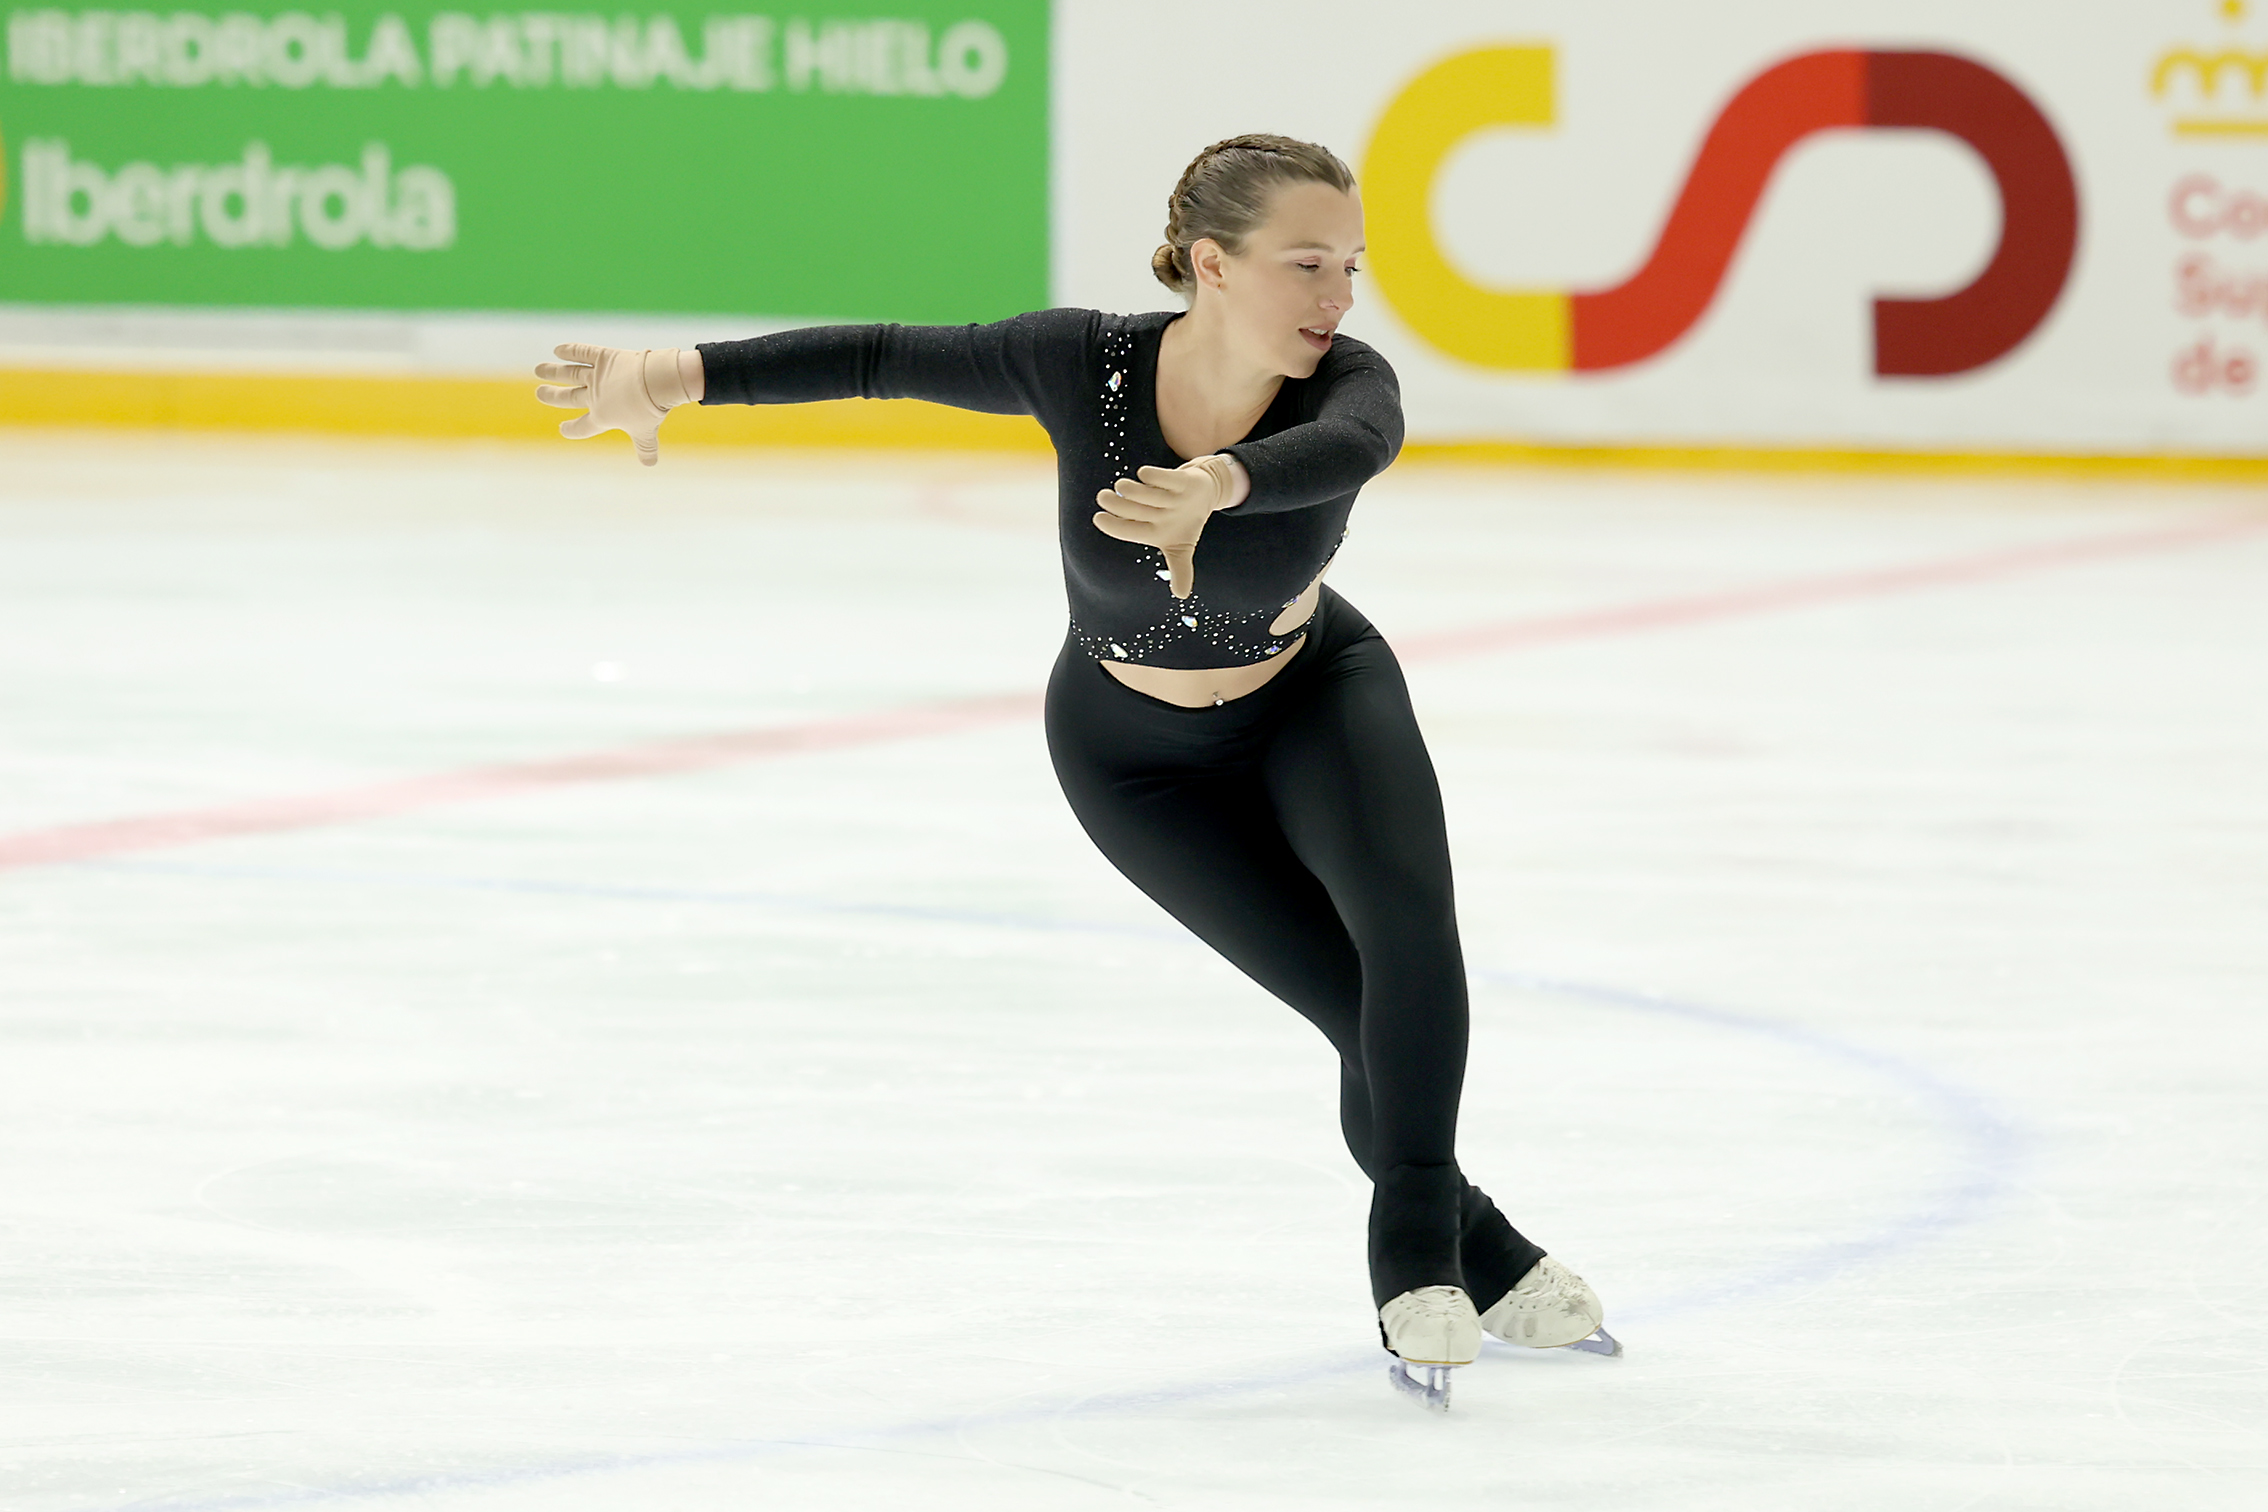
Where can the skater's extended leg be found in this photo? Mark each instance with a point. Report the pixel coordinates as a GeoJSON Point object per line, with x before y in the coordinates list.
{"type": "Point", "coordinates": [1354, 790]}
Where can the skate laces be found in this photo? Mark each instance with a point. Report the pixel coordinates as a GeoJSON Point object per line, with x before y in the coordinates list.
{"type": "Point", "coordinates": [1547, 1281]}
{"type": "Point", "coordinates": [1428, 1302]}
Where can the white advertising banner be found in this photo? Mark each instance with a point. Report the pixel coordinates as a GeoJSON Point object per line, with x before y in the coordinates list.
{"type": "Point", "coordinates": [1925, 225]}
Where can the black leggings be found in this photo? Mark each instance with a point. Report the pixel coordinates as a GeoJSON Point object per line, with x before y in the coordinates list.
{"type": "Point", "coordinates": [1298, 831]}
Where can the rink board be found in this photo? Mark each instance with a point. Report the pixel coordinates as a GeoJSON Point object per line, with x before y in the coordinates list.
{"type": "Point", "coordinates": [1850, 226]}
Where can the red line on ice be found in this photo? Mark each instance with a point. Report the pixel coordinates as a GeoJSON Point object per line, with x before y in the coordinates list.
{"type": "Point", "coordinates": [1827, 588]}
{"type": "Point", "coordinates": [694, 753]}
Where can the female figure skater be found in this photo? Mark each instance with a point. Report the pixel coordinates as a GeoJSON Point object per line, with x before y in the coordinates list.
{"type": "Point", "coordinates": [1235, 736]}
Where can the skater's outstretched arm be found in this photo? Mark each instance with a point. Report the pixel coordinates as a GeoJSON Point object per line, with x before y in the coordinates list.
{"type": "Point", "coordinates": [1022, 366]}
{"type": "Point", "coordinates": [1012, 367]}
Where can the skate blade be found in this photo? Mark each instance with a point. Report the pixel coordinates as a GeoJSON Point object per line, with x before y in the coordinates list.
{"type": "Point", "coordinates": [1426, 1385]}
{"type": "Point", "coordinates": [1598, 1342]}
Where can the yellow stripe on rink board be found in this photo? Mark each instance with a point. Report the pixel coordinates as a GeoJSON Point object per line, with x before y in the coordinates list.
{"type": "Point", "coordinates": [505, 409]}
{"type": "Point", "coordinates": [2211, 128]}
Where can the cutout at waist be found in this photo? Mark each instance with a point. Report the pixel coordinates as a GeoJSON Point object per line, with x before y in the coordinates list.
{"type": "Point", "coordinates": [1201, 687]}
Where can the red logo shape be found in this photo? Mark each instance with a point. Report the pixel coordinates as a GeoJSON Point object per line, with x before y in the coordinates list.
{"type": "Point", "coordinates": [1784, 104]}
{"type": "Point", "coordinates": [1610, 328]}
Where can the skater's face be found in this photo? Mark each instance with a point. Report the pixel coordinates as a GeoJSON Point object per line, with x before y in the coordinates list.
{"type": "Point", "coordinates": [1283, 296]}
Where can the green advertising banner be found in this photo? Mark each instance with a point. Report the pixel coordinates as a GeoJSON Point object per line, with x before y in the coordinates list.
{"type": "Point", "coordinates": [827, 163]}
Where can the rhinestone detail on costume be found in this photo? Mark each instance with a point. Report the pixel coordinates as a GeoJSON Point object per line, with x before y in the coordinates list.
{"type": "Point", "coordinates": [1234, 633]}
{"type": "Point", "coordinates": [1190, 617]}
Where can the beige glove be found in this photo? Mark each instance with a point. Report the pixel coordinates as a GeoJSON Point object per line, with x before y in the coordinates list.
{"type": "Point", "coordinates": [622, 390]}
{"type": "Point", "coordinates": [1167, 507]}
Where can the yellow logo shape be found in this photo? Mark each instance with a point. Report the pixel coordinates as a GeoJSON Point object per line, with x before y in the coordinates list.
{"type": "Point", "coordinates": [2208, 68]}
{"type": "Point", "coordinates": [1524, 329]}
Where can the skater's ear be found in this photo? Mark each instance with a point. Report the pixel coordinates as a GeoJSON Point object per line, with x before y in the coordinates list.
{"type": "Point", "coordinates": [1208, 263]}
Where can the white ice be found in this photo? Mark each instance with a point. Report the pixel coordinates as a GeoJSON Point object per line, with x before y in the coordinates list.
{"type": "Point", "coordinates": [1869, 1000]}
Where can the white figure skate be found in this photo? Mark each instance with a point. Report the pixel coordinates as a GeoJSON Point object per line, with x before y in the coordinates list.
{"type": "Point", "coordinates": [1430, 1332]}
{"type": "Point", "coordinates": [1551, 1308]}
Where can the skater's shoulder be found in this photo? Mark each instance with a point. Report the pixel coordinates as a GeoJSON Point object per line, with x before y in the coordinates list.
{"type": "Point", "coordinates": [1069, 328]}
{"type": "Point", "coordinates": [1351, 357]}
{"type": "Point", "coordinates": [1352, 374]}
{"type": "Point", "coordinates": [1095, 322]}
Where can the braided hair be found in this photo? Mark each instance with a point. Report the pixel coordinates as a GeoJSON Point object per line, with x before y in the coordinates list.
{"type": "Point", "coordinates": [1225, 191]}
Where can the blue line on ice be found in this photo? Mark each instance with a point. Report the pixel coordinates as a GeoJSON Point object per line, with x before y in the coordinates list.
{"type": "Point", "coordinates": [1984, 1172]}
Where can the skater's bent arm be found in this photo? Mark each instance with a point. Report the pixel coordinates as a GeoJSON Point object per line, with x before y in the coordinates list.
{"type": "Point", "coordinates": [1355, 433]}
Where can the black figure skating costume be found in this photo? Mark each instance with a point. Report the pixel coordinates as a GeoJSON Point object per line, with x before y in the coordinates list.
{"type": "Point", "coordinates": [1298, 829]}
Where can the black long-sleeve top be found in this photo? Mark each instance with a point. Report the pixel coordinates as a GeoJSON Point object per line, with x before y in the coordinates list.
{"type": "Point", "coordinates": [1091, 380]}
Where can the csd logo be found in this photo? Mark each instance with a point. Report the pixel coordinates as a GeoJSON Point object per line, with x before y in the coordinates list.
{"type": "Point", "coordinates": [1589, 331]}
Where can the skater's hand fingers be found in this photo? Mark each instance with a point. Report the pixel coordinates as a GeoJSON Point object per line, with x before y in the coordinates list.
{"type": "Point", "coordinates": [1147, 491]}
{"type": "Point", "coordinates": [565, 385]}
{"type": "Point", "coordinates": [1187, 484]}
{"type": "Point", "coordinates": [1129, 509]}
{"type": "Point", "coordinates": [631, 391]}
{"type": "Point", "coordinates": [1140, 532]}
{"type": "Point", "coordinates": [1166, 508]}
{"type": "Point", "coordinates": [1180, 555]}
{"type": "Point", "coordinates": [1181, 564]}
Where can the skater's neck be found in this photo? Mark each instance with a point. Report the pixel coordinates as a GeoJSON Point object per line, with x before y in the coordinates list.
{"type": "Point", "coordinates": [1209, 394]}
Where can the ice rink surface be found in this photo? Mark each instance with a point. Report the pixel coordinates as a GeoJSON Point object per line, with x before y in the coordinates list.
{"type": "Point", "coordinates": [1865, 886]}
